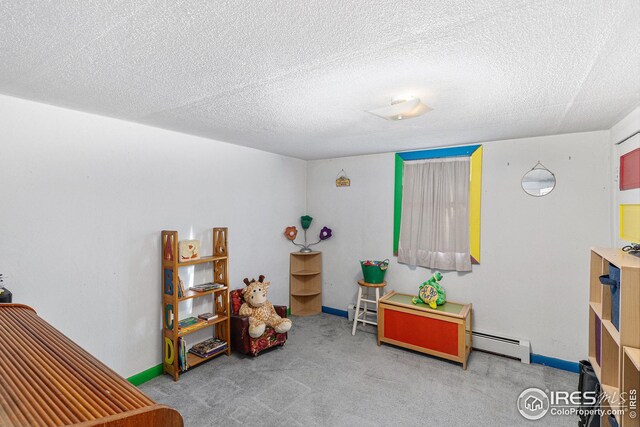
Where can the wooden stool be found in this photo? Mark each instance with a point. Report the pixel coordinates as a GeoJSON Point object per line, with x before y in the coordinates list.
{"type": "Point", "coordinates": [367, 287]}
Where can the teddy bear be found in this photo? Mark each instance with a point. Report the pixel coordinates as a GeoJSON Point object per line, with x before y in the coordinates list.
{"type": "Point", "coordinates": [260, 311]}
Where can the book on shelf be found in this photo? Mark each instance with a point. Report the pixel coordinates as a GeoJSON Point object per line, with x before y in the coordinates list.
{"type": "Point", "coordinates": [208, 347]}
{"type": "Point", "coordinates": [187, 322]}
{"type": "Point", "coordinates": [210, 353]}
{"type": "Point", "coordinates": [182, 355]}
{"type": "Point", "coordinates": [181, 290]}
{"type": "Point", "coordinates": [206, 287]}
{"type": "Point", "coordinates": [208, 317]}
{"type": "Point", "coordinates": [193, 327]}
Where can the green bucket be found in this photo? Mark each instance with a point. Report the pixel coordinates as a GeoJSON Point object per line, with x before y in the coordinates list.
{"type": "Point", "coordinates": [374, 271]}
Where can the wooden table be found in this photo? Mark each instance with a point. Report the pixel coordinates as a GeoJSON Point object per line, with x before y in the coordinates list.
{"type": "Point", "coordinates": [444, 331]}
{"type": "Point", "coordinates": [48, 380]}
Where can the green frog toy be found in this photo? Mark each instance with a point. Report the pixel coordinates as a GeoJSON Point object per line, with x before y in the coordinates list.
{"type": "Point", "coordinates": [430, 292]}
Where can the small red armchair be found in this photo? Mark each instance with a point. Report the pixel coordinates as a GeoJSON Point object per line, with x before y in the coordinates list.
{"type": "Point", "coordinates": [240, 339]}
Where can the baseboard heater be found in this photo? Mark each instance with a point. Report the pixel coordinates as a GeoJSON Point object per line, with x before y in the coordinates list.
{"type": "Point", "coordinates": [511, 347]}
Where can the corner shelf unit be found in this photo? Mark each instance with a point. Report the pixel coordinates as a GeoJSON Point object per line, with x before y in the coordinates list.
{"type": "Point", "coordinates": [612, 350]}
{"type": "Point", "coordinates": [171, 297]}
{"type": "Point", "coordinates": [305, 283]}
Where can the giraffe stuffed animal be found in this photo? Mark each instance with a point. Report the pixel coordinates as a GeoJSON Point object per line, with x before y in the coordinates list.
{"type": "Point", "coordinates": [260, 311]}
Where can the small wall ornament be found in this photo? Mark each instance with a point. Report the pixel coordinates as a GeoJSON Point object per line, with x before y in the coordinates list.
{"type": "Point", "coordinates": [342, 180]}
{"type": "Point", "coordinates": [291, 233]}
{"type": "Point", "coordinates": [539, 181]}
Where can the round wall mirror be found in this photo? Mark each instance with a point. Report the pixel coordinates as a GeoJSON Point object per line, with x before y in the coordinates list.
{"type": "Point", "coordinates": [539, 181]}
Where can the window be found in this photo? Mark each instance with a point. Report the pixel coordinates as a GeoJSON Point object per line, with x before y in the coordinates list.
{"type": "Point", "coordinates": [437, 207]}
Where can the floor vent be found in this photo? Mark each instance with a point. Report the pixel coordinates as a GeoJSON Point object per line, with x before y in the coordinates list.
{"type": "Point", "coordinates": [511, 347]}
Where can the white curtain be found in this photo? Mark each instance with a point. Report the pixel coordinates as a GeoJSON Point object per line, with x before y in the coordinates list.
{"type": "Point", "coordinates": [434, 228]}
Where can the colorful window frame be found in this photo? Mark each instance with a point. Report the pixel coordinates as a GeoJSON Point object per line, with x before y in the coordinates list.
{"type": "Point", "coordinates": [475, 190]}
{"type": "Point", "coordinates": [630, 222]}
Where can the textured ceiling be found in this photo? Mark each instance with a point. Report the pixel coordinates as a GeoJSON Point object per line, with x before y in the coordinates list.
{"type": "Point", "coordinates": [295, 77]}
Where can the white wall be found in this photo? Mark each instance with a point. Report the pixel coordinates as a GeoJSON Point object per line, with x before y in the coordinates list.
{"type": "Point", "coordinates": [621, 131]}
{"type": "Point", "coordinates": [532, 282]}
{"type": "Point", "coordinates": [83, 199]}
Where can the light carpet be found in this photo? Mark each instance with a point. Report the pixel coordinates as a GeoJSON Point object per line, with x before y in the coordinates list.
{"type": "Point", "coordinates": [324, 376]}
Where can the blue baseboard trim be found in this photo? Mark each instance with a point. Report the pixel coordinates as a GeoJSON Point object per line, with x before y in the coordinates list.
{"type": "Point", "coordinates": [565, 365]}
{"type": "Point", "coordinates": [335, 311]}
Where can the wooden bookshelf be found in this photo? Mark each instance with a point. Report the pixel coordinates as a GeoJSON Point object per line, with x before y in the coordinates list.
{"type": "Point", "coordinates": [201, 325]}
{"type": "Point", "coordinates": [597, 308]}
{"type": "Point", "coordinates": [305, 273]}
{"type": "Point", "coordinates": [307, 312]}
{"type": "Point", "coordinates": [631, 384]}
{"type": "Point", "coordinates": [201, 260]}
{"type": "Point", "coordinates": [596, 366]}
{"type": "Point", "coordinates": [595, 346]}
{"type": "Point", "coordinates": [610, 368]}
{"type": "Point", "coordinates": [616, 349]}
{"type": "Point", "coordinates": [195, 294]}
{"type": "Point", "coordinates": [305, 283]}
{"type": "Point", "coordinates": [307, 292]}
{"type": "Point", "coordinates": [193, 360]}
{"type": "Point", "coordinates": [633, 355]}
{"type": "Point", "coordinates": [172, 297]}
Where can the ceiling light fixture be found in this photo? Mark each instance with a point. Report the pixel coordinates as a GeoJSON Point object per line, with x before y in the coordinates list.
{"type": "Point", "coordinates": [402, 108]}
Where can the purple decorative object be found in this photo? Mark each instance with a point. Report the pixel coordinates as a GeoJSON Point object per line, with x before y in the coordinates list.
{"type": "Point", "coordinates": [325, 233]}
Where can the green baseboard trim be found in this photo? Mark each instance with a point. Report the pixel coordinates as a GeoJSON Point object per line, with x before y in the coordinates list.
{"type": "Point", "coordinates": [145, 376]}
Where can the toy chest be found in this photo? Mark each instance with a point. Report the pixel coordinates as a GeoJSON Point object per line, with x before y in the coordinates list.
{"type": "Point", "coordinates": [444, 332]}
